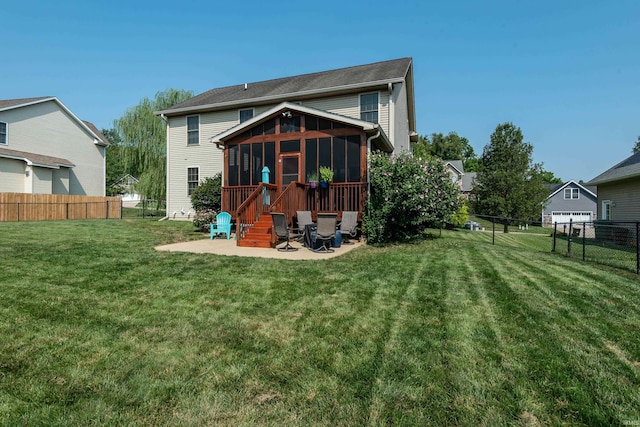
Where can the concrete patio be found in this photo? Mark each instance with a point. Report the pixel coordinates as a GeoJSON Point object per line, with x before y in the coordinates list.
{"type": "Point", "coordinates": [221, 246]}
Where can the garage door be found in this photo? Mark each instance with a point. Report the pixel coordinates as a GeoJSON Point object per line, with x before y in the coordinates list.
{"type": "Point", "coordinates": [561, 217]}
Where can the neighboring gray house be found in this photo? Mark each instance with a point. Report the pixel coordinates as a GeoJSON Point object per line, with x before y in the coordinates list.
{"type": "Point", "coordinates": [619, 191]}
{"type": "Point", "coordinates": [570, 201]}
{"type": "Point", "coordinates": [293, 126]}
{"type": "Point", "coordinates": [456, 170]}
{"type": "Point", "coordinates": [46, 149]}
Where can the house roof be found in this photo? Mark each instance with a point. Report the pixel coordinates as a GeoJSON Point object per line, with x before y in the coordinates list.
{"type": "Point", "coordinates": [382, 141]}
{"type": "Point", "coordinates": [556, 188]}
{"type": "Point", "coordinates": [33, 159]}
{"type": "Point", "coordinates": [628, 168]}
{"type": "Point", "coordinates": [456, 164]}
{"type": "Point", "coordinates": [10, 104]}
{"type": "Point", "coordinates": [467, 181]}
{"type": "Point", "coordinates": [323, 83]}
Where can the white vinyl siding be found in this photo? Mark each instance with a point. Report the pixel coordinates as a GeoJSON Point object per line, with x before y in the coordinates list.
{"type": "Point", "coordinates": [12, 176]}
{"type": "Point", "coordinates": [47, 129]}
{"type": "Point", "coordinates": [41, 180]}
{"type": "Point", "coordinates": [180, 156]}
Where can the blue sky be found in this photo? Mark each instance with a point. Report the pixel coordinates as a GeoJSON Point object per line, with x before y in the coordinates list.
{"type": "Point", "coordinates": [566, 72]}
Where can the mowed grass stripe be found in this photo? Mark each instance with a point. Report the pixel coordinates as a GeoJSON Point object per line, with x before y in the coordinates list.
{"type": "Point", "coordinates": [564, 341]}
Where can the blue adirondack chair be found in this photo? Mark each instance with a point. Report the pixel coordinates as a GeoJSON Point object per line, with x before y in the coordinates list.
{"type": "Point", "coordinates": [222, 225]}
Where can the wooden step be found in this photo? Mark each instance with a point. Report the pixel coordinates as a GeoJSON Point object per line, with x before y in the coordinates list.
{"type": "Point", "coordinates": [249, 243]}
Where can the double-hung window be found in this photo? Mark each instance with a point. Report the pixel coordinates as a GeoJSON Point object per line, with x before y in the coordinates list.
{"type": "Point", "coordinates": [369, 107]}
{"type": "Point", "coordinates": [3, 133]}
{"type": "Point", "coordinates": [245, 114]}
{"type": "Point", "coordinates": [571, 193]}
{"type": "Point", "coordinates": [193, 130]}
{"type": "Point", "coordinates": [192, 179]}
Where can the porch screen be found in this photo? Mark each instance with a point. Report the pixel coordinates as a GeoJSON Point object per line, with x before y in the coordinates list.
{"type": "Point", "coordinates": [342, 154]}
{"type": "Point", "coordinates": [245, 163]}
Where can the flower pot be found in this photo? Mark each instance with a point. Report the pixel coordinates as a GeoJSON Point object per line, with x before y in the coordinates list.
{"type": "Point", "coordinates": [313, 184]}
{"type": "Point", "coordinates": [324, 184]}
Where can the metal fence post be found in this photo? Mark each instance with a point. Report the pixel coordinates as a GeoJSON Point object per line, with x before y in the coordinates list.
{"type": "Point", "coordinates": [493, 231]}
{"type": "Point", "coordinates": [555, 230]}
{"type": "Point", "coordinates": [637, 248]}
{"type": "Point", "coordinates": [569, 236]}
{"type": "Point", "coordinates": [584, 241]}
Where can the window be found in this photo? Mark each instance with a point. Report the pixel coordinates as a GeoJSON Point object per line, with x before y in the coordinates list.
{"type": "Point", "coordinates": [342, 154]}
{"type": "Point", "coordinates": [369, 107]}
{"type": "Point", "coordinates": [193, 130]}
{"type": "Point", "coordinates": [606, 209]}
{"type": "Point", "coordinates": [245, 114]}
{"type": "Point", "coordinates": [192, 180]}
{"type": "Point", "coordinates": [3, 133]}
{"type": "Point", "coordinates": [571, 193]}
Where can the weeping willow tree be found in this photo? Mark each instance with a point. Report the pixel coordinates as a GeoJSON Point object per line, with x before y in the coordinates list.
{"type": "Point", "coordinates": [144, 142]}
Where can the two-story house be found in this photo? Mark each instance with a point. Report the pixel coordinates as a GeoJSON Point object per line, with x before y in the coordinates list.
{"type": "Point", "coordinates": [46, 149]}
{"type": "Point", "coordinates": [291, 126]}
{"type": "Point", "coordinates": [619, 191]}
{"type": "Point", "coordinates": [570, 201]}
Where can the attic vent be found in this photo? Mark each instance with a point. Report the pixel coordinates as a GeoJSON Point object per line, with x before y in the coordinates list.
{"type": "Point", "coordinates": [245, 86]}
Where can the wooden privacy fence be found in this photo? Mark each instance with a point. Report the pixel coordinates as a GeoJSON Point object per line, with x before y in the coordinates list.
{"type": "Point", "coordinates": [44, 207]}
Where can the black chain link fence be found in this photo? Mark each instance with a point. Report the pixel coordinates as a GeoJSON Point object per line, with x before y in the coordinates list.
{"type": "Point", "coordinates": [605, 242]}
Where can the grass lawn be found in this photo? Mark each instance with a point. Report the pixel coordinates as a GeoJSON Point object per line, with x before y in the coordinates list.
{"type": "Point", "coordinates": [97, 328]}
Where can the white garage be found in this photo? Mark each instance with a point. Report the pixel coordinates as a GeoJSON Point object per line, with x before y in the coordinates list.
{"type": "Point", "coordinates": [563, 217]}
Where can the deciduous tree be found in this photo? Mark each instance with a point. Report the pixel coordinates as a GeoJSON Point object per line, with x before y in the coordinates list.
{"type": "Point", "coordinates": [144, 141]}
{"type": "Point", "coordinates": [508, 184]}
{"type": "Point", "coordinates": [447, 147]}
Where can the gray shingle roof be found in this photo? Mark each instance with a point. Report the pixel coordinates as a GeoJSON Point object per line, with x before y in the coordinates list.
{"type": "Point", "coordinates": [36, 159]}
{"type": "Point", "coordinates": [467, 181]}
{"type": "Point", "coordinates": [628, 168]}
{"type": "Point", "coordinates": [286, 88]}
{"type": "Point", "coordinates": [14, 102]}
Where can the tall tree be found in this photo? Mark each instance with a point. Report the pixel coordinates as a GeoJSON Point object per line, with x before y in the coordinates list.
{"type": "Point", "coordinates": [114, 167]}
{"type": "Point", "coordinates": [636, 147]}
{"type": "Point", "coordinates": [144, 141]}
{"type": "Point", "coordinates": [549, 178]}
{"type": "Point", "coordinates": [447, 147]}
{"type": "Point", "coordinates": [508, 184]}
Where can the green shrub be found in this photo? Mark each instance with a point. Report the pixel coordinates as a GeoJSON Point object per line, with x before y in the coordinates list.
{"type": "Point", "coordinates": [408, 195]}
{"type": "Point", "coordinates": [208, 194]}
{"type": "Point", "coordinates": [462, 216]}
{"type": "Point", "coordinates": [206, 200]}
{"type": "Point", "coordinates": [203, 218]}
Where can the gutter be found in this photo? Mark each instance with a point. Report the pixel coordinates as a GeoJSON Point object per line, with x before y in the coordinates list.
{"type": "Point", "coordinates": [371, 138]}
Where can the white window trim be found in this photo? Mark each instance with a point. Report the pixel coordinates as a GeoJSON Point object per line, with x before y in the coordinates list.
{"type": "Point", "coordinates": [187, 176]}
{"type": "Point", "coordinates": [571, 193]}
{"type": "Point", "coordinates": [6, 134]}
{"type": "Point", "coordinates": [360, 103]}
{"type": "Point", "coordinates": [187, 126]}
{"type": "Point", "coordinates": [253, 113]}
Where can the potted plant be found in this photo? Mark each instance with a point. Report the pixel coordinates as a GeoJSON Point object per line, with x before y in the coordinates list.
{"type": "Point", "coordinates": [312, 179]}
{"type": "Point", "coordinates": [326, 176]}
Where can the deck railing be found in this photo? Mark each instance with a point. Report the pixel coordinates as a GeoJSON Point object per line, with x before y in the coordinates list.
{"type": "Point", "coordinates": [339, 197]}
{"type": "Point", "coordinates": [257, 203]}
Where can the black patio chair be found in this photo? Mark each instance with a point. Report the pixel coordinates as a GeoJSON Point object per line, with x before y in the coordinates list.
{"type": "Point", "coordinates": [326, 230]}
{"type": "Point", "coordinates": [281, 228]}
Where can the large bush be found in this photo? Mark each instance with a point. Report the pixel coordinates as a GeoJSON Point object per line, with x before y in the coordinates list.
{"type": "Point", "coordinates": [408, 195]}
{"type": "Point", "coordinates": [208, 194]}
{"type": "Point", "coordinates": [206, 200]}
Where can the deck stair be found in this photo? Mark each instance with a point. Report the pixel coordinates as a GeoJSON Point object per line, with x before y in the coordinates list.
{"type": "Point", "coordinates": [259, 235]}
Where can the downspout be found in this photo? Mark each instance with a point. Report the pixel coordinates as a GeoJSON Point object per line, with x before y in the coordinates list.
{"type": "Point", "coordinates": [166, 120]}
{"type": "Point", "coordinates": [371, 138]}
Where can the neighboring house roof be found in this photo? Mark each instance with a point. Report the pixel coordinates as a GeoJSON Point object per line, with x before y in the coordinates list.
{"type": "Point", "coordinates": [10, 104]}
{"type": "Point", "coordinates": [456, 164]}
{"type": "Point", "coordinates": [379, 74]}
{"type": "Point", "coordinates": [371, 128]}
{"type": "Point", "coordinates": [126, 179]}
{"type": "Point", "coordinates": [467, 181]}
{"type": "Point", "coordinates": [559, 187]}
{"type": "Point", "coordinates": [33, 159]}
{"type": "Point", "coordinates": [628, 168]}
